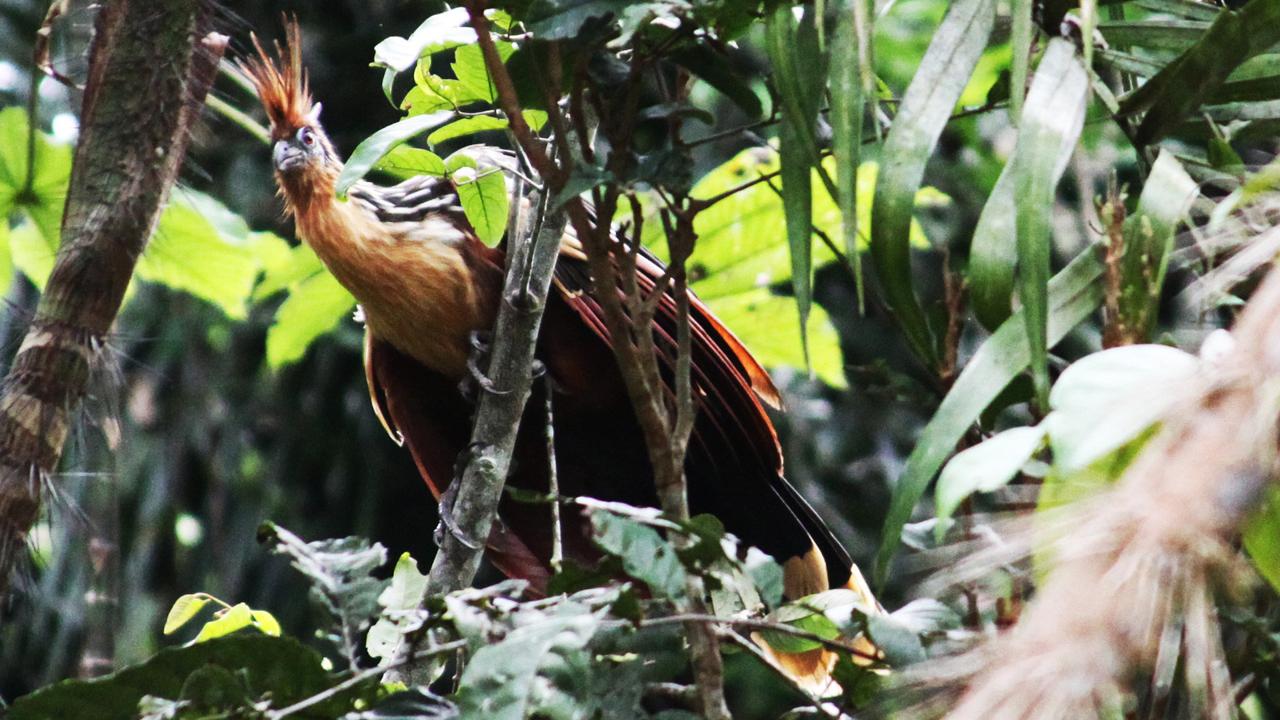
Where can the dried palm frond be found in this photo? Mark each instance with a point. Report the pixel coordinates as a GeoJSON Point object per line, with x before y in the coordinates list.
{"type": "Point", "coordinates": [1137, 570]}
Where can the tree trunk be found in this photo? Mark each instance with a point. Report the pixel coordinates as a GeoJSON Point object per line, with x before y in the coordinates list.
{"type": "Point", "coordinates": [150, 67]}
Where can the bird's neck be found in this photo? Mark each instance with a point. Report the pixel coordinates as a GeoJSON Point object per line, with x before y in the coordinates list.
{"type": "Point", "coordinates": [305, 190]}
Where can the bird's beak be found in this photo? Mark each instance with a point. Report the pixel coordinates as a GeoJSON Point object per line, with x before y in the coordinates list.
{"type": "Point", "coordinates": [287, 156]}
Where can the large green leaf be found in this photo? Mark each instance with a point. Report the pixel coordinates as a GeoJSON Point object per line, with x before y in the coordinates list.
{"type": "Point", "coordinates": [484, 201]}
{"type": "Point", "coordinates": [742, 252]}
{"type": "Point", "coordinates": [923, 113]}
{"type": "Point", "coordinates": [314, 307]}
{"type": "Point", "coordinates": [280, 668]}
{"type": "Point", "coordinates": [1074, 294]}
{"type": "Point", "coordinates": [369, 152]}
{"type": "Point", "coordinates": [766, 323]}
{"type": "Point", "coordinates": [219, 264]}
{"type": "Point", "coordinates": [1108, 398]}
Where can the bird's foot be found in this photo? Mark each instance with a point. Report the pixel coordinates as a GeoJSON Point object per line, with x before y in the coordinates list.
{"type": "Point", "coordinates": [476, 380]}
{"type": "Point", "coordinates": [448, 521]}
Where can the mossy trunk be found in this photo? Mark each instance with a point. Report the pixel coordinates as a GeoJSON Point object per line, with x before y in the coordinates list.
{"type": "Point", "coordinates": [150, 67]}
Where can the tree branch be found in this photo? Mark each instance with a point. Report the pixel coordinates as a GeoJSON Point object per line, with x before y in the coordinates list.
{"type": "Point", "coordinates": [150, 68]}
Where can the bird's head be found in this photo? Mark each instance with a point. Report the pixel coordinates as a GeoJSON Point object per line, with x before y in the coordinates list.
{"type": "Point", "coordinates": [299, 144]}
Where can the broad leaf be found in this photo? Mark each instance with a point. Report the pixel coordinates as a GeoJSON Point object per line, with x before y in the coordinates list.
{"type": "Point", "coordinates": [368, 153]}
{"type": "Point", "coordinates": [985, 467]}
{"type": "Point", "coordinates": [314, 307]}
{"type": "Point", "coordinates": [1106, 399]}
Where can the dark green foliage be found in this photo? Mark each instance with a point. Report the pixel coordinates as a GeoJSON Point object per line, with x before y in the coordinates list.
{"type": "Point", "coordinates": [220, 675]}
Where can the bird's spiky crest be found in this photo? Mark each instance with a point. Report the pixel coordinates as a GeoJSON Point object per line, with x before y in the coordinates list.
{"type": "Point", "coordinates": [281, 82]}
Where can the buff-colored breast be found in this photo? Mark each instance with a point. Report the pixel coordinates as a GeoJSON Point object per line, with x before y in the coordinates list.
{"type": "Point", "coordinates": [413, 279]}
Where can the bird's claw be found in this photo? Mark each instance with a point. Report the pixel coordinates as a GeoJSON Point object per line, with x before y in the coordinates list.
{"type": "Point", "coordinates": [447, 501]}
{"type": "Point", "coordinates": [476, 378]}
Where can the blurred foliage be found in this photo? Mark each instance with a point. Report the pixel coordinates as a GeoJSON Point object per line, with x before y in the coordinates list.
{"type": "Point", "coordinates": [974, 151]}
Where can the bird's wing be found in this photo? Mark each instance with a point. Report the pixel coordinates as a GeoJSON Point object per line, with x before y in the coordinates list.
{"type": "Point", "coordinates": [735, 462]}
{"type": "Point", "coordinates": [423, 410]}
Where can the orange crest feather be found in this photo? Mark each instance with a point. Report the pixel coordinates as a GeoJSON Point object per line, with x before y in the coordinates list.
{"type": "Point", "coordinates": [281, 82]}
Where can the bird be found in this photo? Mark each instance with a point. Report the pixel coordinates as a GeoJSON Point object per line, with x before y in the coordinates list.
{"type": "Point", "coordinates": [427, 285]}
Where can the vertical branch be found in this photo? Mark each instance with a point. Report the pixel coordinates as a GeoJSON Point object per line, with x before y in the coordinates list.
{"type": "Point", "coordinates": [151, 65]}
{"type": "Point", "coordinates": [628, 322]}
{"type": "Point", "coordinates": [472, 501]}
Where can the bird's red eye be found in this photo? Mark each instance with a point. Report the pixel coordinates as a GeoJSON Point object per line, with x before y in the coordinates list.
{"type": "Point", "coordinates": [306, 137]}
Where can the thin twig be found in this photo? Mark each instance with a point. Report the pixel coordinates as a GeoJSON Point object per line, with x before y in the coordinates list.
{"type": "Point", "coordinates": [750, 624]}
{"type": "Point", "coordinates": [361, 677]}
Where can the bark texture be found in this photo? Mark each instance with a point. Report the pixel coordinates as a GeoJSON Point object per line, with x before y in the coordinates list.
{"type": "Point", "coordinates": [150, 68]}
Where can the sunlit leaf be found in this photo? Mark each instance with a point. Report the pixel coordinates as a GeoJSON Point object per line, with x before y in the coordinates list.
{"type": "Point", "coordinates": [229, 620]}
{"type": "Point", "coordinates": [368, 153]}
{"type": "Point", "coordinates": [484, 201]}
{"type": "Point", "coordinates": [184, 610]}
{"type": "Point", "coordinates": [985, 467]}
{"type": "Point", "coordinates": [466, 126]}
{"type": "Point", "coordinates": [314, 307]}
{"type": "Point", "coordinates": [441, 31]}
{"type": "Point", "coordinates": [1104, 400]}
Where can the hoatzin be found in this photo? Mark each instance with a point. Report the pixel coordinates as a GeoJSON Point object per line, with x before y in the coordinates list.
{"type": "Point", "coordinates": [426, 284]}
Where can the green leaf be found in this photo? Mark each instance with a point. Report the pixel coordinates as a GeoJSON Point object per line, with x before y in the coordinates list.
{"type": "Point", "coordinates": [797, 199]}
{"type": "Point", "coordinates": [1050, 130]}
{"type": "Point", "coordinates": [469, 68]}
{"type": "Point", "coordinates": [314, 307]}
{"type": "Point", "coordinates": [900, 645]}
{"type": "Point", "coordinates": [923, 113]}
{"type": "Point", "coordinates": [1074, 294]}
{"type": "Point", "coordinates": [1046, 128]}
{"type": "Point", "coordinates": [1262, 539]}
{"type": "Point", "coordinates": [1149, 239]}
{"type": "Point", "coordinates": [767, 324]}
{"type": "Point", "coordinates": [713, 68]}
{"type": "Point", "coordinates": [847, 109]}
{"type": "Point", "coordinates": [280, 667]}
{"type": "Point", "coordinates": [6, 258]}
{"type": "Point", "coordinates": [266, 622]}
{"type": "Point", "coordinates": [368, 153]}
{"type": "Point", "coordinates": [466, 126]}
{"type": "Point", "coordinates": [503, 680]}
{"type": "Point", "coordinates": [216, 264]}
{"type": "Point", "coordinates": [405, 593]}
{"type": "Point", "coordinates": [342, 581]}
{"type": "Point", "coordinates": [31, 253]}
{"type": "Point", "coordinates": [645, 555]}
{"type": "Point", "coordinates": [441, 31]}
{"type": "Point", "coordinates": [184, 609]}
{"type": "Point", "coordinates": [406, 162]}
{"type": "Point", "coordinates": [227, 621]}
{"type": "Point", "coordinates": [484, 201]}
{"type": "Point", "coordinates": [1183, 85]}
{"type": "Point", "coordinates": [1106, 399]}
{"type": "Point", "coordinates": [985, 467]}
{"type": "Point", "coordinates": [1021, 34]}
